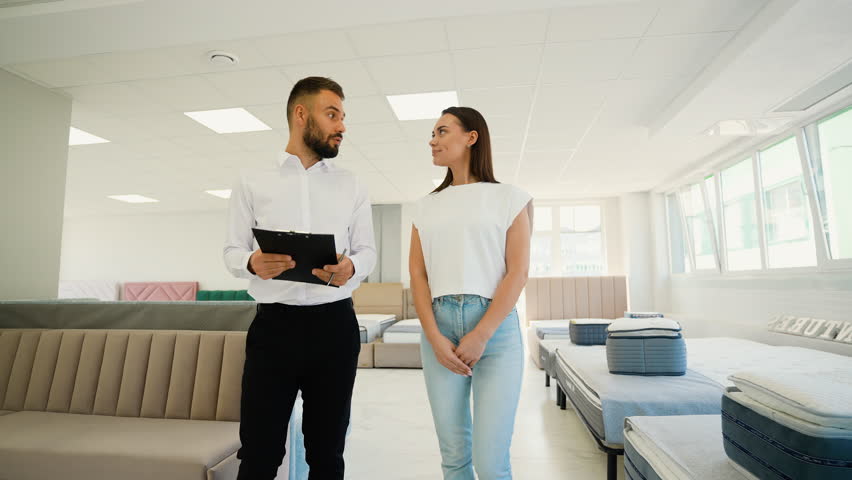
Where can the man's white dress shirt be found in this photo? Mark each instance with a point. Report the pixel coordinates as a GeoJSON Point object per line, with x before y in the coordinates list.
{"type": "Point", "coordinates": [321, 199]}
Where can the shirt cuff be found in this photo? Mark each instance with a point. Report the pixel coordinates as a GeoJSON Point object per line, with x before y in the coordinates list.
{"type": "Point", "coordinates": [355, 264]}
{"type": "Point", "coordinates": [245, 265]}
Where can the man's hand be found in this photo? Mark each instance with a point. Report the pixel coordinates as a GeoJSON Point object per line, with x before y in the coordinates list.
{"type": "Point", "coordinates": [269, 265]}
{"type": "Point", "coordinates": [343, 271]}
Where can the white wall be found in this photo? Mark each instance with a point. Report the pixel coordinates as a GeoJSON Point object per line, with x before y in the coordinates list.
{"type": "Point", "coordinates": [177, 247]}
{"type": "Point", "coordinates": [638, 249]}
{"type": "Point", "coordinates": [741, 304]}
{"type": "Point", "coordinates": [33, 155]}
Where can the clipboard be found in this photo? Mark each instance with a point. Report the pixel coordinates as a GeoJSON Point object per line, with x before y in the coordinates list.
{"type": "Point", "coordinates": [309, 251]}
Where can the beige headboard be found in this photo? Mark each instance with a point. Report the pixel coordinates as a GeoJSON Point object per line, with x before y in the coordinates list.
{"type": "Point", "coordinates": [408, 310]}
{"type": "Point", "coordinates": [379, 298]}
{"type": "Point", "coordinates": [553, 298]}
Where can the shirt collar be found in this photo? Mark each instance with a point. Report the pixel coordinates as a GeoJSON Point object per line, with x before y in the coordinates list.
{"type": "Point", "coordinates": [290, 161]}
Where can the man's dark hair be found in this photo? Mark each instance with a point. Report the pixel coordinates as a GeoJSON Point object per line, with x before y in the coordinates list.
{"type": "Point", "coordinates": [310, 86]}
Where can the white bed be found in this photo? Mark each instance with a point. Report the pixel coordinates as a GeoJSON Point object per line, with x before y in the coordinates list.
{"type": "Point", "coordinates": [686, 447]}
{"type": "Point", "coordinates": [373, 325]}
{"type": "Point", "coordinates": [603, 400]}
{"type": "Point", "coordinates": [404, 331]}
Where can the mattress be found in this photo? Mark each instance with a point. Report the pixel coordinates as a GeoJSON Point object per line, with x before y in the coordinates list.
{"type": "Point", "coordinates": [547, 354]}
{"type": "Point", "coordinates": [588, 331]}
{"type": "Point", "coordinates": [404, 331]}
{"type": "Point", "coordinates": [100, 289]}
{"type": "Point", "coordinates": [686, 447]}
{"type": "Point", "coordinates": [774, 445]}
{"type": "Point", "coordinates": [533, 340]}
{"type": "Point", "coordinates": [779, 424]}
{"type": "Point", "coordinates": [373, 325]}
{"type": "Point", "coordinates": [604, 400]}
{"type": "Point", "coordinates": [652, 346]}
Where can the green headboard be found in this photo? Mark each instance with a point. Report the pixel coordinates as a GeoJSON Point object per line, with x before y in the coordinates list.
{"type": "Point", "coordinates": [223, 296]}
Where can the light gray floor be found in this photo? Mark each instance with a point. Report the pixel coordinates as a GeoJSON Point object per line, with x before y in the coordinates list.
{"type": "Point", "coordinates": [393, 437]}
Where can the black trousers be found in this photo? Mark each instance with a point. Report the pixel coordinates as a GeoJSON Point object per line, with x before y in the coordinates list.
{"type": "Point", "coordinates": [290, 348]}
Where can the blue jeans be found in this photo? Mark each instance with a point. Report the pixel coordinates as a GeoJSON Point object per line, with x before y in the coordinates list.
{"type": "Point", "coordinates": [480, 444]}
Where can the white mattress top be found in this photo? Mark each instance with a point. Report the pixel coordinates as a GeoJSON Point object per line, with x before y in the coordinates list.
{"type": "Point", "coordinates": [822, 396]}
{"type": "Point", "coordinates": [634, 324]}
{"type": "Point", "coordinates": [411, 322]}
{"type": "Point", "coordinates": [374, 317]}
{"type": "Point", "coordinates": [565, 322]}
{"type": "Point", "coordinates": [591, 321]}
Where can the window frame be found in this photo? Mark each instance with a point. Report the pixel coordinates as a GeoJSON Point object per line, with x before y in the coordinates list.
{"type": "Point", "coordinates": [556, 232]}
{"type": "Point", "coordinates": [806, 137]}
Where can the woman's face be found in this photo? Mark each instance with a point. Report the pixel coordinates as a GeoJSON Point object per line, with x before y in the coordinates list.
{"type": "Point", "coordinates": [450, 143]}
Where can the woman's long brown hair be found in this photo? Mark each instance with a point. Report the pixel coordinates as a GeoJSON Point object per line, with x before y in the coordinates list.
{"type": "Point", "coordinates": [481, 164]}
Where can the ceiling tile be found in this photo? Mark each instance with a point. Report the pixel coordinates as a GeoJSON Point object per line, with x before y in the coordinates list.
{"type": "Point", "coordinates": [497, 67]}
{"type": "Point", "coordinates": [595, 23]}
{"type": "Point", "coordinates": [701, 16]}
{"type": "Point", "coordinates": [506, 125]}
{"type": "Point", "coordinates": [498, 101]}
{"type": "Point", "coordinates": [274, 115]}
{"type": "Point", "coordinates": [542, 167]}
{"type": "Point", "coordinates": [115, 98]}
{"type": "Point", "coordinates": [506, 144]}
{"type": "Point", "coordinates": [296, 48]}
{"type": "Point", "coordinates": [566, 126]}
{"type": "Point", "coordinates": [371, 133]}
{"type": "Point", "coordinates": [566, 138]}
{"type": "Point", "coordinates": [207, 144]}
{"type": "Point", "coordinates": [596, 60]}
{"type": "Point", "coordinates": [572, 99]}
{"type": "Point", "coordinates": [418, 132]}
{"type": "Point", "coordinates": [368, 110]}
{"type": "Point", "coordinates": [252, 87]}
{"type": "Point", "coordinates": [59, 73]}
{"type": "Point", "coordinates": [681, 55]}
{"type": "Point", "coordinates": [399, 39]}
{"type": "Point", "coordinates": [431, 72]}
{"type": "Point", "coordinates": [167, 125]}
{"type": "Point", "coordinates": [270, 141]}
{"type": "Point", "coordinates": [185, 94]}
{"type": "Point", "coordinates": [352, 76]}
{"type": "Point", "coordinates": [496, 30]}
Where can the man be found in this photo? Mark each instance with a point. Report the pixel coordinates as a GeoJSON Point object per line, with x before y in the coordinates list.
{"type": "Point", "coordinates": [304, 336]}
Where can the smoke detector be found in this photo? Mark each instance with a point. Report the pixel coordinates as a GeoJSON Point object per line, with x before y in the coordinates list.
{"type": "Point", "coordinates": [222, 59]}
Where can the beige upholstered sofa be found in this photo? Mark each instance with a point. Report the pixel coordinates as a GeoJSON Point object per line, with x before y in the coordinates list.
{"type": "Point", "coordinates": [128, 404]}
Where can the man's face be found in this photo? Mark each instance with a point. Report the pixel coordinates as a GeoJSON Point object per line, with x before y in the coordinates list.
{"type": "Point", "coordinates": [324, 127]}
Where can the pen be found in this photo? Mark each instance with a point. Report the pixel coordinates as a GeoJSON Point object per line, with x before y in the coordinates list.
{"type": "Point", "coordinates": [338, 261]}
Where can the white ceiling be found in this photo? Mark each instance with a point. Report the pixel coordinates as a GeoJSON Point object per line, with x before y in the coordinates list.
{"type": "Point", "coordinates": [590, 100]}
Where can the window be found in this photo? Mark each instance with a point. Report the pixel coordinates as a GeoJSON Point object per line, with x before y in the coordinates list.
{"type": "Point", "coordinates": [541, 244]}
{"type": "Point", "coordinates": [580, 240]}
{"type": "Point", "coordinates": [679, 255]}
{"type": "Point", "coordinates": [566, 241]}
{"type": "Point", "coordinates": [710, 186]}
{"type": "Point", "coordinates": [695, 215]}
{"type": "Point", "coordinates": [832, 167]}
{"type": "Point", "coordinates": [740, 217]}
{"type": "Point", "coordinates": [789, 236]}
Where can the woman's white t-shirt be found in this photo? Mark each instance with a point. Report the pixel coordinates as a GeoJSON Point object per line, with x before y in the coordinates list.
{"type": "Point", "coordinates": [462, 232]}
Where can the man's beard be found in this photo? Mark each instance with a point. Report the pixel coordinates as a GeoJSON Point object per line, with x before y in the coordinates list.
{"type": "Point", "coordinates": [313, 139]}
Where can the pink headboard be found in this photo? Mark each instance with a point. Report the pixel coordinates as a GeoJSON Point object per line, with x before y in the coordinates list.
{"type": "Point", "coordinates": [160, 291]}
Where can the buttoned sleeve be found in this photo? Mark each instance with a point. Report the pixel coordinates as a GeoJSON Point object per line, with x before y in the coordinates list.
{"type": "Point", "coordinates": [361, 238]}
{"type": "Point", "coordinates": [239, 238]}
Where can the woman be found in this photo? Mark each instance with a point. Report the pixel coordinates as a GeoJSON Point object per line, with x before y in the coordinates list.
{"type": "Point", "coordinates": [469, 261]}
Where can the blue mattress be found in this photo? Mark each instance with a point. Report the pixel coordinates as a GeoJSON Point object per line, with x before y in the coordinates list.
{"type": "Point", "coordinates": [589, 331]}
{"type": "Point", "coordinates": [771, 445]}
{"type": "Point", "coordinates": [645, 347]}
